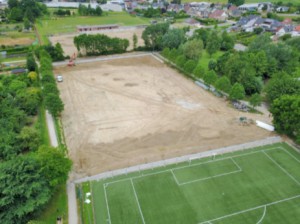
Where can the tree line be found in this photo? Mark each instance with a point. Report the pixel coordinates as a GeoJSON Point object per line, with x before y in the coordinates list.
{"type": "Point", "coordinates": [100, 44]}
{"type": "Point", "coordinates": [89, 11]}
{"type": "Point", "coordinates": [30, 172]}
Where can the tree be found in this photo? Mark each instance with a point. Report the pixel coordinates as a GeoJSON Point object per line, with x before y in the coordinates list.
{"type": "Point", "coordinates": [202, 34]}
{"type": "Point", "coordinates": [212, 64]}
{"type": "Point", "coordinates": [134, 40]}
{"type": "Point", "coordinates": [210, 77]}
{"type": "Point", "coordinates": [27, 24]}
{"type": "Point", "coordinates": [281, 84]}
{"type": "Point", "coordinates": [189, 66]}
{"type": "Point", "coordinates": [153, 35]}
{"type": "Point", "coordinates": [237, 92]}
{"type": "Point", "coordinates": [213, 44]}
{"type": "Point", "coordinates": [227, 42]}
{"type": "Point", "coordinates": [193, 49]}
{"type": "Point", "coordinates": [236, 2]}
{"type": "Point", "coordinates": [286, 115]}
{"type": "Point", "coordinates": [180, 61]}
{"type": "Point", "coordinates": [173, 38]}
{"type": "Point", "coordinates": [54, 164]}
{"type": "Point", "coordinates": [199, 71]}
{"type": "Point", "coordinates": [255, 100]}
{"type": "Point", "coordinates": [29, 139]}
{"type": "Point", "coordinates": [259, 61]}
{"type": "Point", "coordinates": [23, 189]}
{"type": "Point", "coordinates": [30, 63]}
{"type": "Point", "coordinates": [223, 84]}
{"type": "Point", "coordinates": [54, 104]}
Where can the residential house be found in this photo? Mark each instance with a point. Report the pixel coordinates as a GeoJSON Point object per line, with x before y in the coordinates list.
{"type": "Point", "coordinates": [286, 29]}
{"type": "Point", "coordinates": [282, 9]}
{"type": "Point", "coordinates": [219, 15]}
{"type": "Point", "coordinates": [234, 12]}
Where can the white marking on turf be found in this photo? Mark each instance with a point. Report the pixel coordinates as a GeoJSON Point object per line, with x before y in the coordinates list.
{"type": "Point", "coordinates": [211, 177]}
{"type": "Point", "coordinates": [291, 155]}
{"type": "Point", "coordinates": [106, 200]}
{"type": "Point", "coordinates": [137, 200]}
{"type": "Point", "coordinates": [284, 170]}
{"type": "Point", "coordinates": [250, 209]}
{"type": "Point", "coordinates": [175, 177]}
{"type": "Point", "coordinates": [263, 216]}
{"type": "Point", "coordinates": [237, 165]}
{"type": "Point", "coordinates": [168, 170]}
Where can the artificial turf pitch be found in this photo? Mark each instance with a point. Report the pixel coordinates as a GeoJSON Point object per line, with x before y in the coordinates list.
{"type": "Point", "coordinates": [260, 185]}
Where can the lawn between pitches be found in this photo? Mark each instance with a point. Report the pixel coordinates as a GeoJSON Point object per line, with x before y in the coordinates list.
{"type": "Point", "coordinates": [260, 185]}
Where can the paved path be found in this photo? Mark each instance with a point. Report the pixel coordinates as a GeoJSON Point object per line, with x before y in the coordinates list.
{"type": "Point", "coordinates": [51, 129]}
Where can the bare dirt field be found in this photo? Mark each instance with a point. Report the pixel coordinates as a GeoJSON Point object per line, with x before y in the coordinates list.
{"type": "Point", "coordinates": [125, 112]}
{"type": "Point", "coordinates": [8, 41]}
{"type": "Point", "coordinates": [69, 48]}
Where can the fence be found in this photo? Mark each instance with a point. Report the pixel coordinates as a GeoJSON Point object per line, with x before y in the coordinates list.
{"type": "Point", "coordinates": [266, 141]}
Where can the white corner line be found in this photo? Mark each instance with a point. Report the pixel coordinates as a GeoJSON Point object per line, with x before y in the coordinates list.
{"type": "Point", "coordinates": [137, 200]}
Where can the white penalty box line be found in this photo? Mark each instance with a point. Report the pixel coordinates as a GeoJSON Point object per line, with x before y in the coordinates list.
{"type": "Point", "coordinates": [169, 170]}
{"type": "Point", "coordinates": [250, 209]}
{"type": "Point", "coordinates": [239, 169]}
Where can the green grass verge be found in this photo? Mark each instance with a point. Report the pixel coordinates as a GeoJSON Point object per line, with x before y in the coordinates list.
{"type": "Point", "coordinates": [240, 187]}
{"type": "Point", "coordinates": [61, 25]}
{"type": "Point", "coordinates": [43, 125]}
{"type": "Point", "coordinates": [87, 214]}
{"type": "Point", "coordinates": [57, 207]}
{"type": "Point", "coordinates": [14, 59]}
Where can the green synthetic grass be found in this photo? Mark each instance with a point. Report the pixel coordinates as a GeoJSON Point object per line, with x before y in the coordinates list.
{"type": "Point", "coordinates": [261, 184]}
{"type": "Point", "coordinates": [61, 25]}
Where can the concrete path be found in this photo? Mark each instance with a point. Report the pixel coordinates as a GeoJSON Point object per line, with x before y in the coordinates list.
{"type": "Point", "coordinates": [51, 129]}
{"type": "Point", "coordinates": [72, 204]}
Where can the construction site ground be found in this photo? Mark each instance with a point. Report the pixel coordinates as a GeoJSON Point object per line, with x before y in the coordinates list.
{"type": "Point", "coordinates": [124, 112]}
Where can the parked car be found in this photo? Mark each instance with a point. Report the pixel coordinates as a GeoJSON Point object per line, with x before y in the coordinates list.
{"type": "Point", "coordinates": [59, 78]}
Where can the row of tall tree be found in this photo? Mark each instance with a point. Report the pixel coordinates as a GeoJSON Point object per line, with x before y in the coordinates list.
{"type": "Point", "coordinates": [100, 44]}
{"type": "Point", "coordinates": [29, 171]}
{"type": "Point", "coordinates": [51, 93]}
{"type": "Point", "coordinates": [89, 11]}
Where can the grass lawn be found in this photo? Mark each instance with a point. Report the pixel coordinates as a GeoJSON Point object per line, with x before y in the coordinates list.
{"type": "Point", "coordinates": [57, 207]}
{"type": "Point", "coordinates": [205, 58]}
{"type": "Point", "coordinates": [68, 24]}
{"type": "Point", "coordinates": [260, 185]}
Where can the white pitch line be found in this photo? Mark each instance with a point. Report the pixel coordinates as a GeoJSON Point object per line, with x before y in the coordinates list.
{"type": "Point", "coordinates": [291, 155]}
{"type": "Point", "coordinates": [137, 200]}
{"type": "Point", "coordinates": [211, 177]}
{"type": "Point", "coordinates": [286, 172]}
{"type": "Point", "coordinates": [174, 177]}
{"type": "Point", "coordinates": [250, 209]}
{"type": "Point", "coordinates": [168, 170]}
{"type": "Point", "coordinates": [263, 216]}
{"type": "Point", "coordinates": [237, 165]}
{"type": "Point", "coordinates": [106, 200]}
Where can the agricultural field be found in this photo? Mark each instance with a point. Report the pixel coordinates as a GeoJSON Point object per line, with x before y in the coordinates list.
{"type": "Point", "coordinates": [58, 25]}
{"type": "Point", "coordinates": [135, 109]}
{"type": "Point", "coordinates": [260, 185]}
{"type": "Point", "coordinates": [10, 35]}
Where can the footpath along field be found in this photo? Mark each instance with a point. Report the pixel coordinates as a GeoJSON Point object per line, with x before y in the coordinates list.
{"type": "Point", "coordinates": [260, 185]}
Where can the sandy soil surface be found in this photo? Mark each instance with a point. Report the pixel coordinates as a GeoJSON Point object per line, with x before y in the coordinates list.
{"type": "Point", "coordinates": [67, 40]}
{"type": "Point", "coordinates": [16, 41]}
{"type": "Point", "coordinates": [125, 112]}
